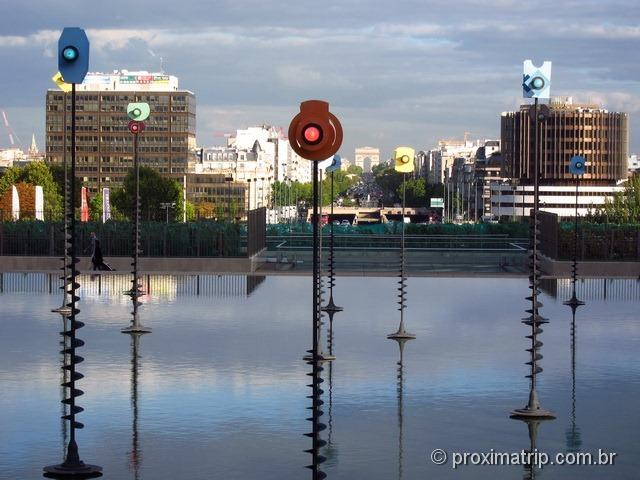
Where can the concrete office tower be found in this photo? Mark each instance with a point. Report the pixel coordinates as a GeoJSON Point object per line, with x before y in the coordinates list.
{"type": "Point", "coordinates": [105, 146]}
{"type": "Point", "coordinates": [571, 129]}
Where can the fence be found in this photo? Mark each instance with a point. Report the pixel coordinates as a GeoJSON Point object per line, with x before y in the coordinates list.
{"type": "Point", "coordinates": [198, 239]}
{"type": "Point", "coordinates": [596, 241]}
{"type": "Point", "coordinates": [392, 242]}
{"type": "Point", "coordinates": [256, 230]}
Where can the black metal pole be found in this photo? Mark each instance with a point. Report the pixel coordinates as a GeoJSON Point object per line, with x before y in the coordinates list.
{"type": "Point", "coordinates": [72, 450]}
{"type": "Point", "coordinates": [401, 333]}
{"type": "Point", "coordinates": [534, 246]}
{"type": "Point", "coordinates": [72, 464]}
{"type": "Point", "coordinates": [331, 307]}
{"type": "Point", "coordinates": [64, 308]}
{"type": "Point", "coordinates": [573, 302]}
{"type": "Point", "coordinates": [316, 412]}
{"type": "Point", "coordinates": [534, 320]}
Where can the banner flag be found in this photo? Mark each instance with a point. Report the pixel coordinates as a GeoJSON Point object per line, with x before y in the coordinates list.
{"type": "Point", "coordinates": [106, 205]}
{"type": "Point", "coordinates": [84, 205]}
{"type": "Point", "coordinates": [39, 203]}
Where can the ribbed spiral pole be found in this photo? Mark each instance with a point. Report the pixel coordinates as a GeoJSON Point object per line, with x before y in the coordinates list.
{"type": "Point", "coordinates": [316, 392]}
{"type": "Point", "coordinates": [402, 278]}
{"type": "Point", "coordinates": [319, 289]}
{"type": "Point", "coordinates": [72, 465]}
{"type": "Point", "coordinates": [136, 287]}
{"type": "Point", "coordinates": [331, 306]}
{"type": "Point", "coordinates": [534, 320]}
{"type": "Point", "coordinates": [573, 302]}
{"type": "Point", "coordinates": [64, 308]}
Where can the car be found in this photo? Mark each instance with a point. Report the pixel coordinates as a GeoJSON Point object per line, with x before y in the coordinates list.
{"type": "Point", "coordinates": [336, 222]}
{"type": "Point", "coordinates": [345, 223]}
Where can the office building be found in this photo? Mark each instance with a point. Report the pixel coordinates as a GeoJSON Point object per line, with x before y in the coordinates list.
{"type": "Point", "coordinates": [571, 129]}
{"type": "Point", "coordinates": [105, 145]}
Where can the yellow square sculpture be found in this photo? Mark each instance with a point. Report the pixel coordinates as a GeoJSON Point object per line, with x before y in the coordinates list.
{"type": "Point", "coordinates": [404, 159]}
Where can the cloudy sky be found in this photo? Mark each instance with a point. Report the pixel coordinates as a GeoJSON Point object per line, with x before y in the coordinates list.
{"type": "Point", "coordinates": [403, 72]}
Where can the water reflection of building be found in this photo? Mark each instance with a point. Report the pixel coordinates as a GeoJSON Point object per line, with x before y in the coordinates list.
{"type": "Point", "coordinates": [155, 286]}
{"type": "Point", "coordinates": [616, 289]}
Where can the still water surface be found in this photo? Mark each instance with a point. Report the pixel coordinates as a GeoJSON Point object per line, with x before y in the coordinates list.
{"type": "Point", "coordinates": [218, 389]}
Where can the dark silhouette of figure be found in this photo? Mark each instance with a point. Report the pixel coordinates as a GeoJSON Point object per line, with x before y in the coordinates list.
{"type": "Point", "coordinates": [96, 254]}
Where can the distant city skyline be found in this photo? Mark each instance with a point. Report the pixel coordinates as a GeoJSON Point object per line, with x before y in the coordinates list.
{"type": "Point", "coordinates": [410, 73]}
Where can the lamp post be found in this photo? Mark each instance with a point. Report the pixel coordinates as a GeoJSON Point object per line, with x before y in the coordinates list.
{"type": "Point", "coordinates": [166, 206]}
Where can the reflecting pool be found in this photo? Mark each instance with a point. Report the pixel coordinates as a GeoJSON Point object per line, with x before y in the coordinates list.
{"type": "Point", "coordinates": [218, 390]}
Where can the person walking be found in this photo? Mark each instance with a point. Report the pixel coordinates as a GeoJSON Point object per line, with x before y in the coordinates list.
{"type": "Point", "coordinates": [96, 254]}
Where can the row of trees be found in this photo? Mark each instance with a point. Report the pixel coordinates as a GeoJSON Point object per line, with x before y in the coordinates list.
{"type": "Point", "coordinates": [418, 191]}
{"type": "Point", "coordinates": [154, 190]}
{"type": "Point", "coordinates": [625, 206]}
{"type": "Point", "coordinates": [288, 193]}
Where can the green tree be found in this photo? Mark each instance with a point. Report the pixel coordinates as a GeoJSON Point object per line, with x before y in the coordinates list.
{"type": "Point", "coordinates": [388, 180]}
{"type": "Point", "coordinates": [341, 183]}
{"type": "Point", "coordinates": [416, 193]}
{"type": "Point", "coordinates": [36, 173]}
{"type": "Point", "coordinates": [191, 211]}
{"type": "Point", "coordinates": [354, 170]}
{"type": "Point", "coordinates": [95, 208]}
{"type": "Point", "coordinates": [625, 206]}
{"type": "Point", "coordinates": [154, 190]}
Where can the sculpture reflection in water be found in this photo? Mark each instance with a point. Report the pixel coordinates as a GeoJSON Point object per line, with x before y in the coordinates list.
{"type": "Point", "coordinates": [135, 456]}
{"type": "Point", "coordinates": [533, 468]}
{"type": "Point", "coordinates": [64, 378]}
{"type": "Point", "coordinates": [330, 450]}
{"type": "Point", "coordinates": [400, 393]}
{"type": "Point", "coordinates": [573, 437]}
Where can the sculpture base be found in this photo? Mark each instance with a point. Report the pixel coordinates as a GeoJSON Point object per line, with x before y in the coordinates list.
{"type": "Point", "coordinates": [136, 329]}
{"type": "Point", "coordinates": [331, 307]}
{"type": "Point", "coordinates": [401, 334]}
{"type": "Point", "coordinates": [573, 302]}
{"type": "Point", "coordinates": [77, 471]}
{"type": "Point", "coordinates": [63, 309]}
{"type": "Point", "coordinates": [322, 357]}
{"type": "Point", "coordinates": [525, 413]}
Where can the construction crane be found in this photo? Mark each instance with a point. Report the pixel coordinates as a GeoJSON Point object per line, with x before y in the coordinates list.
{"type": "Point", "coordinates": [10, 132]}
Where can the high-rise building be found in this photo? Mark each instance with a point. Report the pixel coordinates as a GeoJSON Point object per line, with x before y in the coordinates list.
{"type": "Point", "coordinates": [571, 129]}
{"type": "Point", "coordinates": [104, 146]}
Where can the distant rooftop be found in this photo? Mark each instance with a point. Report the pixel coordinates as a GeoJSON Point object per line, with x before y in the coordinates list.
{"type": "Point", "coordinates": [126, 81]}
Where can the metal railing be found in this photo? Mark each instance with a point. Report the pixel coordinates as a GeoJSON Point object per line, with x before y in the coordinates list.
{"type": "Point", "coordinates": [412, 242]}
{"type": "Point", "coordinates": [605, 242]}
{"type": "Point", "coordinates": [158, 239]}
